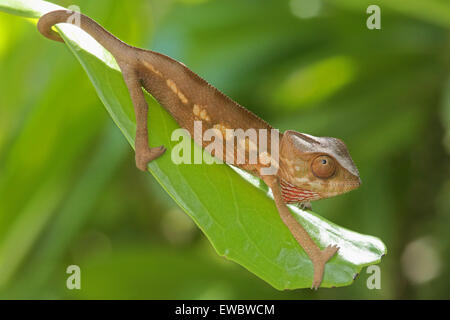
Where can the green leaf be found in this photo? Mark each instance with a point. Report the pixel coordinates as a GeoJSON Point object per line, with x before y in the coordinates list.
{"type": "Point", "coordinates": [232, 208]}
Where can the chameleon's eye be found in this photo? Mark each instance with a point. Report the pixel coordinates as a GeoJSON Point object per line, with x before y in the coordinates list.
{"type": "Point", "coordinates": [323, 167]}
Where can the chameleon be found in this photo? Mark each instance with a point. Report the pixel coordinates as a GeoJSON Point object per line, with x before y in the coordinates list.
{"type": "Point", "coordinates": [308, 168]}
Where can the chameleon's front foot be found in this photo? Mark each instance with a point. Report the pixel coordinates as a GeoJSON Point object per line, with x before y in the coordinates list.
{"type": "Point", "coordinates": [305, 205]}
{"type": "Point", "coordinates": [144, 156]}
{"type": "Point", "coordinates": [319, 264]}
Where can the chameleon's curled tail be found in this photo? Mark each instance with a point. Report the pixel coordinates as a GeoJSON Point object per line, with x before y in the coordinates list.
{"type": "Point", "coordinates": [106, 39]}
{"type": "Point", "coordinates": [128, 60]}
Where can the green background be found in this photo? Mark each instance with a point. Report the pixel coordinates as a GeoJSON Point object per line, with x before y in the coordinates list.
{"type": "Point", "coordinates": [70, 194]}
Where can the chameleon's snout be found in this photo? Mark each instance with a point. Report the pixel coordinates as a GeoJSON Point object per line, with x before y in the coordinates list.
{"type": "Point", "coordinates": [351, 184]}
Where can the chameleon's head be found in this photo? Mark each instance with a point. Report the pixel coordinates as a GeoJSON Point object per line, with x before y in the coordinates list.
{"type": "Point", "coordinates": [313, 168]}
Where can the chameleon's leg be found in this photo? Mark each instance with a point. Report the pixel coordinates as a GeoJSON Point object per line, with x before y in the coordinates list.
{"type": "Point", "coordinates": [144, 154]}
{"type": "Point", "coordinates": [318, 257]}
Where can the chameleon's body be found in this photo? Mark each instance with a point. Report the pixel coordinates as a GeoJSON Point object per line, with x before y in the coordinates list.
{"type": "Point", "coordinates": [309, 168]}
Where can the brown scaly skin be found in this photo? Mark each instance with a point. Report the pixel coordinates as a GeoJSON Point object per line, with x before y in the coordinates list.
{"type": "Point", "coordinates": [309, 168]}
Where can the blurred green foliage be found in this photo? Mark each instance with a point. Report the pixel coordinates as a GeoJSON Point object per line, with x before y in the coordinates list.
{"type": "Point", "coordinates": [69, 192]}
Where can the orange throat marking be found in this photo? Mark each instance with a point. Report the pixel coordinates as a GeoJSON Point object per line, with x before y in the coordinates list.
{"type": "Point", "coordinates": [293, 194]}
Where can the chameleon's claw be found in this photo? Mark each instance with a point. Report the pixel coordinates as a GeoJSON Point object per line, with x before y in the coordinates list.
{"type": "Point", "coordinates": [319, 264]}
{"type": "Point", "coordinates": [305, 205]}
{"type": "Point", "coordinates": [315, 285]}
{"type": "Point", "coordinates": [149, 154]}
{"type": "Point", "coordinates": [329, 251]}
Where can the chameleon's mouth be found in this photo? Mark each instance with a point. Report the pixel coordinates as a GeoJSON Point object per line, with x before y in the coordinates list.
{"type": "Point", "coordinates": [340, 188]}
{"type": "Point", "coordinates": [353, 184]}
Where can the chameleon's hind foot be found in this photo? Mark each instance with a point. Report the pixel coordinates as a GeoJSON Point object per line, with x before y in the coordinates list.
{"type": "Point", "coordinates": [319, 264]}
{"type": "Point", "coordinates": [147, 155]}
